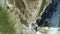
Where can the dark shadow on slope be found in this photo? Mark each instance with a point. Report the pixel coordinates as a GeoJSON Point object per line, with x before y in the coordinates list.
{"type": "Point", "coordinates": [51, 8]}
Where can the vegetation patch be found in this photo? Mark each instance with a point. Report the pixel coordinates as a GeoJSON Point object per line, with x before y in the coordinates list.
{"type": "Point", "coordinates": [42, 6]}
{"type": "Point", "coordinates": [6, 27]}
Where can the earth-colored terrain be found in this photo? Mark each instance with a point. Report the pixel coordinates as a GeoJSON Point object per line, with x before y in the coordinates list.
{"type": "Point", "coordinates": [21, 14]}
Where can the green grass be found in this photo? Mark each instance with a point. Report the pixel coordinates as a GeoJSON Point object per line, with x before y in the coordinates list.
{"type": "Point", "coordinates": [20, 5]}
{"type": "Point", "coordinates": [23, 21]}
{"type": "Point", "coordinates": [6, 27]}
{"type": "Point", "coordinates": [42, 6]}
